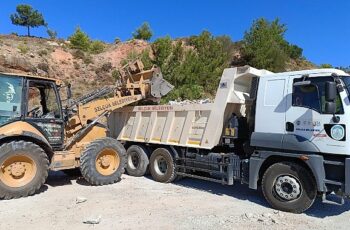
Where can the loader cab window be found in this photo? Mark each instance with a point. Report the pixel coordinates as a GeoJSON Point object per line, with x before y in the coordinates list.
{"type": "Point", "coordinates": [313, 96]}
{"type": "Point", "coordinates": [43, 101]}
{"type": "Point", "coordinates": [10, 98]}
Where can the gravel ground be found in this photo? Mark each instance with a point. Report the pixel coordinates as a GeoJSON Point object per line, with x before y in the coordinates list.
{"type": "Point", "coordinates": [136, 203]}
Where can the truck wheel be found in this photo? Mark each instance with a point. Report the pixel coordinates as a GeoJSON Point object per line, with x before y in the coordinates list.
{"type": "Point", "coordinates": [137, 163]}
{"type": "Point", "coordinates": [289, 187]}
{"type": "Point", "coordinates": [162, 166]}
{"type": "Point", "coordinates": [103, 161]}
{"type": "Point", "coordinates": [24, 167]}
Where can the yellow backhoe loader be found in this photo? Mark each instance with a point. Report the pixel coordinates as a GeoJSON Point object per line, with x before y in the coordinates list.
{"type": "Point", "coordinates": [38, 133]}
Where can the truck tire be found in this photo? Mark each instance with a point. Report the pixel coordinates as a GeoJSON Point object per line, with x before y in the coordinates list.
{"type": "Point", "coordinates": [162, 166]}
{"type": "Point", "coordinates": [103, 161]}
{"type": "Point", "coordinates": [289, 187]}
{"type": "Point", "coordinates": [24, 167]}
{"type": "Point", "coordinates": [137, 163]}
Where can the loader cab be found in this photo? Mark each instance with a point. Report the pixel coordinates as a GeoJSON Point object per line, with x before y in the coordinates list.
{"type": "Point", "coordinates": [35, 100]}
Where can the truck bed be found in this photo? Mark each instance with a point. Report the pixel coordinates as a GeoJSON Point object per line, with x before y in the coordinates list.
{"type": "Point", "coordinates": [192, 125]}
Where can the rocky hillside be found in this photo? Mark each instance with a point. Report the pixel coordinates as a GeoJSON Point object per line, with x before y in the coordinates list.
{"type": "Point", "coordinates": [43, 57]}
{"type": "Point", "coordinates": [87, 71]}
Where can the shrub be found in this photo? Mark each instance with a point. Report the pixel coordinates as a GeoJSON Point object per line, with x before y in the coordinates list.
{"type": "Point", "coordinates": [23, 49]}
{"type": "Point", "coordinates": [326, 66]}
{"type": "Point", "coordinates": [43, 66]}
{"type": "Point", "coordinates": [117, 40]}
{"type": "Point", "coordinates": [80, 40]}
{"type": "Point", "coordinates": [88, 59]}
{"type": "Point", "coordinates": [144, 32]}
{"type": "Point", "coordinates": [78, 54]}
{"type": "Point", "coordinates": [115, 74]}
{"type": "Point", "coordinates": [42, 53]}
{"type": "Point", "coordinates": [52, 34]}
{"type": "Point", "coordinates": [97, 47]}
{"type": "Point", "coordinates": [76, 65]}
{"type": "Point", "coordinates": [106, 67]}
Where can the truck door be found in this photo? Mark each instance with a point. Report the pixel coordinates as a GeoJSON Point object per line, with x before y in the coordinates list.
{"type": "Point", "coordinates": [308, 128]}
{"type": "Point", "coordinates": [270, 112]}
{"type": "Point", "coordinates": [43, 111]}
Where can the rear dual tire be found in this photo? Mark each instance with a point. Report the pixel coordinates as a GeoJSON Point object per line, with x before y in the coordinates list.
{"type": "Point", "coordinates": [137, 162]}
{"type": "Point", "coordinates": [162, 166]}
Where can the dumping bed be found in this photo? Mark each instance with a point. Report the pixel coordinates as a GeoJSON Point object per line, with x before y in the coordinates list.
{"type": "Point", "coordinates": [192, 125]}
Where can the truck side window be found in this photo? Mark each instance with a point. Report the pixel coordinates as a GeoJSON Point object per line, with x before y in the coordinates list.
{"type": "Point", "coordinates": [313, 96]}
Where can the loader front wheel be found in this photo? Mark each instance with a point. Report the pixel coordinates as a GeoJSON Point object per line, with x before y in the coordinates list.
{"type": "Point", "coordinates": [24, 168]}
{"type": "Point", "coordinates": [103, 161]}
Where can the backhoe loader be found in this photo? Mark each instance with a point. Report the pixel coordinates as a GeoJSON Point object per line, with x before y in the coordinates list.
{"type": "Point", "coordinates": [39, 133]}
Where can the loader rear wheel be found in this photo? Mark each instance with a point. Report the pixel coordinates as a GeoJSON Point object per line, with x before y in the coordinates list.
{"type": "Point", "coordinates": [137, 164]}
{"type": "Point", "coordinates": [103, 161]}
{"type": "Point", "coordinates": [289, 187]}
{"type": "Point", "coordinates": [162, 166]}
{"type": "Point", "coordinates": [24, 168]}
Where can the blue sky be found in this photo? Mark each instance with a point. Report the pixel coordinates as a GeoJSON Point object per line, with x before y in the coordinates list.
{"type": "Point", "coordinates": [321, 28]}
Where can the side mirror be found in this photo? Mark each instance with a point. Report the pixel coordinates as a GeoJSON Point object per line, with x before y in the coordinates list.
{"type": "Point", "coordinates": [330, 107]}
{"type": "Point", "coordinates": [69, 91]}
{"type": "Point", "coordinates": [331, 91]}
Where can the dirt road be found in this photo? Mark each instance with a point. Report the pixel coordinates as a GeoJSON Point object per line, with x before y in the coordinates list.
{"type": "Point", "coordinates": [141, 203]}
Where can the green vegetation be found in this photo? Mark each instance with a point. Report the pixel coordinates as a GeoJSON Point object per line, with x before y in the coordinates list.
{"type": "Point", "coordinates": [117, 41]}
{"type": "Point", "coordinates": [193, 65]}
{"type": "Point", "coordinates": [144, 32]}
{"type": "Point", "coordinates": [52, 33]}
{"type": "Point", "coordinates": [23, 49]}
{"type": "Point", "coordinates": [115, 74]}
{"type": "Point", "coordinates": [42, 53]}
{"type": "Point", "coordinates": [264, 46]}
{"type": "Point", "coordinates": [97, 47]}
{"type": "Point", "coordinates": [26, 16]}
{"type": "Point", "coordinates": [81, 41]}
{"type": "Point", "coordinates": [326, 66]}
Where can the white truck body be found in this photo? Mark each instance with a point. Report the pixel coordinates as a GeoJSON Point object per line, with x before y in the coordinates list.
{"type": "Point", "coordinates": [192, 125]}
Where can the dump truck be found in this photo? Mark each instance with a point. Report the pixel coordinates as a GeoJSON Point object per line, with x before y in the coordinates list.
{"type": "Point", "coordinates": [39, 131]}
{"type": "Point", "coordinates": [287, 133]}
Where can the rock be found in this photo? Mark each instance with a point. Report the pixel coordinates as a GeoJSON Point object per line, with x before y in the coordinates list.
{"type": "Point", "coordinates": [80, 199]}
{"type": "Point", "coordinates": [31, 55]}
{"type": "Point", "coordinates": [274, 221]}
{"type": "Point", "coordinates": [261, 220]}
{"type": "Point", "coordinates": [267, 215]}
{"type": "Point", "coordinates": [93, 220]}
{"type": "Point", "coordinates": [249, 215]}
{"type": "Point", "coordinates": [16, 62]}
{"type": "Point", "coordinates": [50, 43]}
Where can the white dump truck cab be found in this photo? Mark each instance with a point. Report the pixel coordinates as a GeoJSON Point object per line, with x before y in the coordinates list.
{"type": "Point", "coordinates": [303, 117]}
{"type": "Point", "coordinates": [286, 132]}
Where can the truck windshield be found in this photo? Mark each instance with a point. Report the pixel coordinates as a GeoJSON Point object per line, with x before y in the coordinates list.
{"type": "Point", "coordinates": [10, 98]}
{"type": "Point", "coordinates": [346, 80]}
